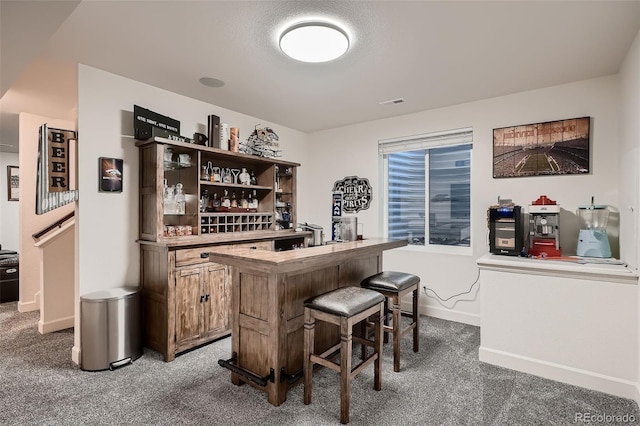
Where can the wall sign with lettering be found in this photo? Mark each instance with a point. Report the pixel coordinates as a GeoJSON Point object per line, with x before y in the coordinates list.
{"type": "Point", "coordinates": [55, 183]}
{"type": "Point", "coordinates": [356, 193]}
{"type": "Point", "coordinates": [148, 124]}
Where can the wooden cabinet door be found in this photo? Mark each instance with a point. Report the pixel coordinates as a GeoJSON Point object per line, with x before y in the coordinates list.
{"type": "Point", "coordinates": [216, 306]}
{"type": "Point", "coordinates": [188, 304]}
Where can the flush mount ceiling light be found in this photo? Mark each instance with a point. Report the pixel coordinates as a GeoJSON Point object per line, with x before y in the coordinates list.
{"type": "Point", "coordinates": [314, 42]}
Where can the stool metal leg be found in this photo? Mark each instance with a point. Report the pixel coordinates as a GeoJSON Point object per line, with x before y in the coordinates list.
{"type": "Point", "coordinates": [309, 340]}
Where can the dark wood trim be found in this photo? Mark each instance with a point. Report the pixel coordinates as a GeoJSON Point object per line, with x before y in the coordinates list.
{"type": "Point", "coordinates": [58, 223]}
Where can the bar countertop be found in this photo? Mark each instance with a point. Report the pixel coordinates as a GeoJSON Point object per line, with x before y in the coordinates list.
{"type": "Point", "coordinates": [283, 261]}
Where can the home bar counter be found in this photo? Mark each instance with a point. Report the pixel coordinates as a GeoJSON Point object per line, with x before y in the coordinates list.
{"type": "Point", "coordinates": [268, 293]}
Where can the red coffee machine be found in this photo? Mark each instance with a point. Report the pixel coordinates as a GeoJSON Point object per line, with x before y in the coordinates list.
{"type": "Point", "coordinates": [544, 235]}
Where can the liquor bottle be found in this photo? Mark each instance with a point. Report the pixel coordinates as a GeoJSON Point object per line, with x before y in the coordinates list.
{"type": "Point", "coordinates": [216, 201]}
{"type": "Point", "coordinates": [255, 200]}
{"type": "Point", "coordinates": [244, 203]}
{"type": "Point", "coordinates": [204, 201]}
{"type": "Point", "coordinates": [180, 200]}
{"type": "Point", "coordinates": [234, 200]}
{"type": "Point", "coordinates": [226, 201]}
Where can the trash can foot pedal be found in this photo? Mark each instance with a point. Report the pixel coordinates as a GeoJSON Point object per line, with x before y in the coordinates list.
{"type": "Point", "coordinates": [121, 363]}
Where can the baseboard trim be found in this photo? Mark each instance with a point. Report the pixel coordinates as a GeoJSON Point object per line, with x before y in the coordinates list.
{"type": "Point", "coordinates": [561, 373]}
{"type": "Point", "coordinates": [75, 355]}
{"type": "Point", "coordinates": [443, 313]}
{"type": "Point", "coordinates": [28, 306]}
{"type": "Point", "coordinates": [57, 325]}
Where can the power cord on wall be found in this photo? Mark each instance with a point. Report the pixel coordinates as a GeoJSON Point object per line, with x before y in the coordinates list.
{"type": "Point", "coordinates": [455, 295]}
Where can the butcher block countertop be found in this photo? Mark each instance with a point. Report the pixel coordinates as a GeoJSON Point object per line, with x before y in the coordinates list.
{"type": "Point", "coordinates": [310, 257]}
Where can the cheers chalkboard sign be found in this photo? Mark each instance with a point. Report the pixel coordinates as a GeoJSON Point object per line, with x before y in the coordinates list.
{"type": "Point", "coordinates": [356, 193]}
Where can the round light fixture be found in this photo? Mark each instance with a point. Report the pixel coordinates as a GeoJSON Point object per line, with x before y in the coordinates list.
{"type": "Point", "coordinates": [314, 42]}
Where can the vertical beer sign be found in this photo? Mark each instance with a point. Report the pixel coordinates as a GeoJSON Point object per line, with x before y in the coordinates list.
{"type": "Point", "coordinates": [336, 212]}
{"type": "Point", "coordinates": [53, 185]}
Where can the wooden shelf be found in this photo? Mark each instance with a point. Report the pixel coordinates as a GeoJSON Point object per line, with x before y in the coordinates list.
{"type": "Point", "coordinates": [235, 185]}
{"type": "Point", "coordinates": [221, 153]}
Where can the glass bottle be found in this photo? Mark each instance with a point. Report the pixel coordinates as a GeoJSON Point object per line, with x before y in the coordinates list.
{"type": "Point", "coordinates": [204, 201]}
{"type": "Point", "coordinates": [234, 200]}
{"type": "Point", "coordinates": [216, 201]}
{"type": "Point", "coordinates": [169, 199]}
{"type": "Point", "coordinates": [180, 200]}
{"type": "Point", "coordinates": [255, 200]}
{"type": "Point", "coordinates": [226, 175]}
{"type": "Point", "coordinates": [244, 203]}
{"type": "Point", "coordinates": [250, 201]}
{"type": "Point", "coordinates": [226, 201]}
{"type": "Point", "coordinates": [245, 178]}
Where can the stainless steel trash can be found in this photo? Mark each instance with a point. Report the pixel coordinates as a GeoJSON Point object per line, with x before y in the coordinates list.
{"type": "Point", "coordinates": [110, 328]}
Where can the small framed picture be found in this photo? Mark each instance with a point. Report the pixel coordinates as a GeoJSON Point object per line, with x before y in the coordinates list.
{"type": "Point", "coordinates": [13, 183]}
{"type": "Point", "coordinates": [110, 170]}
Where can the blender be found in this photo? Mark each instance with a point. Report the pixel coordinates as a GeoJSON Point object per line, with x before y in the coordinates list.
{"type": "Point", "coordinates": [593, 240]}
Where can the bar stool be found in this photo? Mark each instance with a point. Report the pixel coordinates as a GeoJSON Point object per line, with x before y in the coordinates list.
{"type": "Point", "coordinates": [344, 307]}
{"type": "Point", "coordinates": [393, 286]}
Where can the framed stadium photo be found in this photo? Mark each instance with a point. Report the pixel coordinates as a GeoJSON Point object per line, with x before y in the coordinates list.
{"type": "Point", "coordinates": [552, 148]}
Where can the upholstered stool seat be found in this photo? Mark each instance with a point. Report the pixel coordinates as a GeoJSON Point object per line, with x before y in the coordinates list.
{"type": "Point", "coordinates": [390, 281]}
{"type": "Point", "coordinates": [394, 286]}
{"type": "Point", "coordinates": [343, 307]}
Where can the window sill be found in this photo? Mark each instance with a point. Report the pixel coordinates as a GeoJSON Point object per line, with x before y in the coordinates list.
{"type": "Point", "coordinates": [438, 249]}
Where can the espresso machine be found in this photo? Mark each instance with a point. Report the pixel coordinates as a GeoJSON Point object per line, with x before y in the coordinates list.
{"type": "Point", "coordinates": [593, 240]}
{"type": "Point", "coordinates": [544, 234]}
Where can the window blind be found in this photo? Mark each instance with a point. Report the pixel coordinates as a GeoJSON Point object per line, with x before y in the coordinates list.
{"type": "Point", "coordinates": [406, 196]}
{"type": "Point", "coordinates": [426, 141]}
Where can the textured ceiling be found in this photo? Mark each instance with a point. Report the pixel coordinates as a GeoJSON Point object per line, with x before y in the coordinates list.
{"type": "Point", "coordinates": [431, 53]}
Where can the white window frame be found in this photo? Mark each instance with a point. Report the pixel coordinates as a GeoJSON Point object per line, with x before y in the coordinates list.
{"type": "Point", "coordinates": [462, 136]}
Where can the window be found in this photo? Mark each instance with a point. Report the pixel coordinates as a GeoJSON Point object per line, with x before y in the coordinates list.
{"type": "Point", "coordinates": [428, 188]}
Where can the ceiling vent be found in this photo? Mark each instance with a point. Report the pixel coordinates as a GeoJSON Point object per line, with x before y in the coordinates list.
{"type": "Point", "coordinates": [392, 101]}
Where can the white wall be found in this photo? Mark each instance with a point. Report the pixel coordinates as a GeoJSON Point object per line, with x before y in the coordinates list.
{"type": "Point", "coordinates": [9, 236]}
{"type": "Point", "coordinates": [30, 222]}
{"type": "Point", "coordinates": [630, 159]}
{"type": "Point", "coordinates": [630, 151]}
{"type": "Point", "coordinates": [108, 255]}
{"type": "Point", "coordinates": [352, 150]}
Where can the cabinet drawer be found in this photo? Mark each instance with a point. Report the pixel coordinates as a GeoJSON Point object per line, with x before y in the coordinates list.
{"type": "Point", "coordinates": [258, 245]}
{"type": "Point", "coordinates": [193, 256]}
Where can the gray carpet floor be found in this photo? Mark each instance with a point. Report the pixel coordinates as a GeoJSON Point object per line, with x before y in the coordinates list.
{"type": "Point", "coordinates": [443, 384]}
